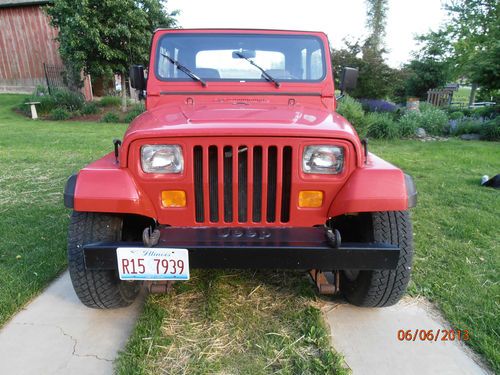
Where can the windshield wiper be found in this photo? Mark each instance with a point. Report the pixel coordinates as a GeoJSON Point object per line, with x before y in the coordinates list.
{"type": "Point", "coordinates": [185, 70]}
{"type": "Point", "coordinates": [266, 75]}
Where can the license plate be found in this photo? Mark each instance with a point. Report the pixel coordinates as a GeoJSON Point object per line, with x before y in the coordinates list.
{"type": "Point", "coordinates": [139, 263]}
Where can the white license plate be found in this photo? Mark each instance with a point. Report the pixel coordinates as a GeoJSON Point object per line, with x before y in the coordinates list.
{"type": "Point", "coordinates": [139, 263]}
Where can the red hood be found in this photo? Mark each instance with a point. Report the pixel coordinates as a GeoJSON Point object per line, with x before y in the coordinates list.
{"type": "Point", "coordinates": [240, 120]}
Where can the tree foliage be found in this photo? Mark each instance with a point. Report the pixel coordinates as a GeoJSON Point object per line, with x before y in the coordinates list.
{"type": "Point", "coordinates": [376, 21]}
{"type": "Point", "coordinates": [431, 66]}
{"type": "Point", "coordinates": [470, 41]}
{"type": "Point", "coordinates": [105, 37]}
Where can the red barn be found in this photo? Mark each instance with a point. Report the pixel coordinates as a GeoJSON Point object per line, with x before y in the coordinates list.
{"type": "Point", "coordinates": [26, 43]}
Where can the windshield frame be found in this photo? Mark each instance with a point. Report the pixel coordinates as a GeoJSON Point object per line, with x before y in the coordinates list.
{"type": "Point", "coordinates": [233, 80]}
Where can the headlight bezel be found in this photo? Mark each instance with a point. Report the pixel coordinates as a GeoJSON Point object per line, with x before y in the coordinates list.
{"type": "Point", "coordinates": [148, 152]}
{"type": "Point", "coordinates": [311, 149]}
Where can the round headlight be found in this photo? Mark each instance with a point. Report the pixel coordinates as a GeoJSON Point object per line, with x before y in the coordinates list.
{"type": "Point", "coordinates": [323, 159]}
{"type": "Point", "coordinates": [162, 159]}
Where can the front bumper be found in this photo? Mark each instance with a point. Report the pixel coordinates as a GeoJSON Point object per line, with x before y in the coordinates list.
{"type": "Point", "coordinates": [243, 248]}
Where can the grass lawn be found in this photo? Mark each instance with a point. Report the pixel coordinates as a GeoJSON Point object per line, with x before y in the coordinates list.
{"type": "Point", "coordinates": [462, 95]}
{"type": "Point", "coordinates": [36, 158]}
{"type": "Point", "coordinates": [256, 322]}
{"type": "Point", "coordinates": [456, 225]}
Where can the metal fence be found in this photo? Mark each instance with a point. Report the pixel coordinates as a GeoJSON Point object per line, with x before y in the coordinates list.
{"type": "Point", "coordinates": [55, 76]}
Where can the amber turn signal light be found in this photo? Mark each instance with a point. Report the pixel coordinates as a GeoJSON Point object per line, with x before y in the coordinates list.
{"type": "Point", "coordinates": [310, 199]}
{"type": "Point", "coordinates": [173, 198]}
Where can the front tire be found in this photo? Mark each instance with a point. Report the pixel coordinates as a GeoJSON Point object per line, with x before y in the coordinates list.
{"type": "Point", "coordinates": [97, 289]}
{"type": "Point", "coordinates": [380, 288]}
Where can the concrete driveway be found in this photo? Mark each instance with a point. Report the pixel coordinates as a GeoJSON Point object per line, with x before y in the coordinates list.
{"type": "Point", "coordinates": [367, 338]}
{"type": "Point", "coordinates": [56, 334]}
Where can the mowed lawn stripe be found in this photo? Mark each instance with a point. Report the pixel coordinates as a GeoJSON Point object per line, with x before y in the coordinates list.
{"type": "Point", "coordinates": [36, 158]}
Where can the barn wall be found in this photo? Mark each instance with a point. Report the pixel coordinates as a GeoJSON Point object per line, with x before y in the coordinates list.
{"type": "Point", "coordinates": [26, 42]}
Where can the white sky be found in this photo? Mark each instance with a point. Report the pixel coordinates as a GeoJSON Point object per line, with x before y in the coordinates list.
{"type": "Point", "coordinates": [337, 18]}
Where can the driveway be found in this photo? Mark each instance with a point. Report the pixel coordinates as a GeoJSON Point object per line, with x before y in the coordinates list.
{"type": "Point", "coordinates": [56, 334]}
{"type": "Point", "coordinates": [368, 340]}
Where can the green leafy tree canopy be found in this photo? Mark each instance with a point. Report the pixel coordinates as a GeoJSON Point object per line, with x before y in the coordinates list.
{"type": "Point", "coordinates": [105, 37]}
{"type": "Point", "coordinates": [470, 41]}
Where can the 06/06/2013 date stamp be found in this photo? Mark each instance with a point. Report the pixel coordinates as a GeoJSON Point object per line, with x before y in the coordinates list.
{"type": "Point", "coordinates": [433, 335]}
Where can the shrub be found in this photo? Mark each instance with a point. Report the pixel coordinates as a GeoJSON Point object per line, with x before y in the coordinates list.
{"type": "Point", "coordinates": [47, 103]}
{"type": "Point", "coordinates": [110, 101]}
{"type": "Point", "coordinates": [377, 105]}
{"type": "Point", "coordinates": [468, 112]}
{"type": "Point", "coordinates": [110, 117]}
{"type": "Point", "coordinates": [352, 110]}
{"type": "Point", "coordinates": [59, 114]}
{"type": "Point", "coordinates": [424, 107]}
{"type": "Point", "coordinates": [381, 125]}
{"type": "Point", "coordinates": [456, 115]}
{"type": "Point", "coordinates": [434, 121]}
{"type": "Point", "coordinates": [468, 126]}
{"type": "Point", "coordinates": [70, 100]}
{"type": "Point", "coordinates": [491, 130]}
{"type": "Point", "coordinates": [90, 108]}
{"type": "Point", "coordinates": [486, 113]}
{"type": "Point", "coordinates": [135, 111]}
{"type": "Point", "coordinates": [408, 123]}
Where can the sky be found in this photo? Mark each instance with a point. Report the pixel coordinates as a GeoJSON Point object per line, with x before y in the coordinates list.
{"type": "Point", "coordinates": [339, 19]}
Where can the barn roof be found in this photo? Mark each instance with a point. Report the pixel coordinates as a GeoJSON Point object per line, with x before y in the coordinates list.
{"type": "Point", "coordinates": [18, 3]}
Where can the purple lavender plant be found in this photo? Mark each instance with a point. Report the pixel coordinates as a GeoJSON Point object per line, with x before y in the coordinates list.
{"type": "Point", "coordinates": [377, 105]}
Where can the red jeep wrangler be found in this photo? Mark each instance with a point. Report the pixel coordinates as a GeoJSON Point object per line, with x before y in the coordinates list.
{"type": "Point", "coordinates": [240, 161]}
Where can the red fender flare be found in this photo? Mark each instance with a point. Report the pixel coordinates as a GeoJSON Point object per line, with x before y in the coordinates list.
{"type": "Point", "coordinates": [105, 187]}
{"type": "Point", "coordinates": [377, 186]}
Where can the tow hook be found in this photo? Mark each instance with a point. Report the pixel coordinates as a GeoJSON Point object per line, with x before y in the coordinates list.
{"type": "Point", "coordinates": [159, 287]}
{"type": "Point", "coordinates": [150, 237]}
{"type": "Point", "coordinates": [326, 282]}
{"type": "Point", "coordinates": [334, 238]}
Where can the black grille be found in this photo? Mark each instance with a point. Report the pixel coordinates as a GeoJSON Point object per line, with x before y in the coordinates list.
{"type": "Point", "coordinates": [243, 179]}
{"type": "Point", "coordinates": [198, 184]}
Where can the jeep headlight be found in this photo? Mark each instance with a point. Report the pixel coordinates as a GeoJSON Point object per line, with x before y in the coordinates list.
{"type": "Point", "coordinates": [323, 159]}
{"type": "Point", "coordinates": [162, 159]}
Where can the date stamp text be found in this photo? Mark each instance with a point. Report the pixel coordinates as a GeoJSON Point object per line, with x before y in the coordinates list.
{"type": "Point", "coordinates": [433, 335]}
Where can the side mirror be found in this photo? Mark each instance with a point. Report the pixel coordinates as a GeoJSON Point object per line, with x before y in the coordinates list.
{"type": "Point", "coordinates": [349, 79]}
{"type": "Point", "coordinates": [137, 80]}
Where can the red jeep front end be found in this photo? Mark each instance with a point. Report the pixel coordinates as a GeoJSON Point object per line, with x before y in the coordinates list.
{"type": "Point", "coordinates": [241, 161]}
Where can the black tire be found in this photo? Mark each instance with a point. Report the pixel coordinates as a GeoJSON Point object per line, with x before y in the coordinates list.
{"type": "Point", "coordinates": [97, 289]}
{"type": "Point", "coordinates": [380, 288]}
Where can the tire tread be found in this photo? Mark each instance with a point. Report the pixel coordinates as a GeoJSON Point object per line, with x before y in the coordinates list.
{"type": "Point", "coordinates": [96, 289]}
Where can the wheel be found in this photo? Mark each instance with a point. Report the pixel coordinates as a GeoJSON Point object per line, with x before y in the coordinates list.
{"type": "Point", "coordinates": [380, 288]}
{"type": "Point", "coordinates": [97, 289]}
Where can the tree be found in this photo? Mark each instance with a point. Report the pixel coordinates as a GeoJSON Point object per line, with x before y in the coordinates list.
{"type": "Point", "coordinates": [473, 34]}
{"type": "Point", "coordinates": [348, 56]}
{"type": "Point", "coordinates": [431, 66]}
{"type": "Point", "coordinates": [376, 20]}
{"type": "Point", "coordinates": [105, 37]}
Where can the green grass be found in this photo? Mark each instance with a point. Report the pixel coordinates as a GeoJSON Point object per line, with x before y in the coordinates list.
{"type": "Point", "coordinates": [232, 322]}
{"type": "Point", "coordinates": [462, 95]}
{"type": "Point", "coordinates": [36, 158]}
{"type": "Point", "coordinates": [456, 226]}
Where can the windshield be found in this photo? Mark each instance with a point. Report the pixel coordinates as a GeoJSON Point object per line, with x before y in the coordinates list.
{"type": "Point", "coordinates": [229, 57]}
